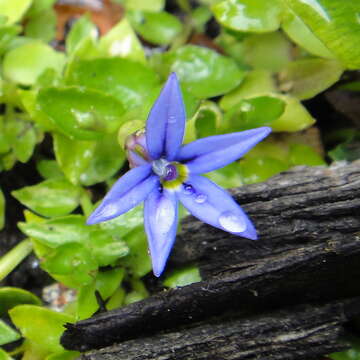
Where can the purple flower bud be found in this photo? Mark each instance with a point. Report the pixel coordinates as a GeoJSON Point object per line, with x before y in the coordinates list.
{"type": "Point", "coordinates": [136, 150]}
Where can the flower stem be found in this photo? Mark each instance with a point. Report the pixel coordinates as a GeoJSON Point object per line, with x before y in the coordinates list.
{"type": "Point", "coordinates": [14, 257]}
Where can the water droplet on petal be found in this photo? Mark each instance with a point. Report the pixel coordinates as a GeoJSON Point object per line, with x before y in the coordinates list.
{"type": "Point", "coordinates": [201, 198]}
{"type": "Point", "coordinates": [188, 189]}
{"type": "Point", "coordinates": [232, 222]}
{"type": "Point", "coordinates": [172, 119]}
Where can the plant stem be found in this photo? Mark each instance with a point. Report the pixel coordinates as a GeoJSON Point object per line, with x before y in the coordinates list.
{"type": "Point", "coordinates": [14, 257]}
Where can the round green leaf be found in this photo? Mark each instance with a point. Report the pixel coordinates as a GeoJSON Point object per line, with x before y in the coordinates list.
{"type": "Point", "coordinates": [157, 28]}
{"type": "Point", "coordinates": [254, 112]}
{"type": "Point", "coordinates": [80, 113]}
{"type": "Point", "coordinates": [249, 15]}
{"type": "Point", "coordinates": [306, 78]}
{"type": "Point", "coordinates": [52, 197]}
{"type": "Point", "coordinates": [71, 259]}
{"type": "Point", "coordinates": [128, 81]}
{"type": "Point", "coordinates": [14, 9]}
{"type": "Point", "coordinates": [25, 63]}
{"type": "Point", "coordinates": [204, 72]}
{"type": "Point", "coordinates": [40, 325]}
{"type": "Point", "coordinates": [73, 156]}
{"type": "Point", "coordinates": [11, 297]}
{"type": "Point", "coordinates": [106, 160]}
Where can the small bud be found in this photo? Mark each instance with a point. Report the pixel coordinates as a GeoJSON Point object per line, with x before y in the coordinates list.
{"type": "Point", "coordinates": [136, 150]}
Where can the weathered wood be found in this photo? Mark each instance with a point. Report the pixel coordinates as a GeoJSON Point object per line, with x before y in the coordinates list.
{"type": "Point", "coordinates": [303, 332]}
{"type": "Point", "coordinates": [309, 250]}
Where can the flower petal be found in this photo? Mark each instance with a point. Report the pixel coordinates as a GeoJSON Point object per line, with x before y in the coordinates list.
{"type": "Point", "coordinates": [160, 218]}
{"type": "Point", "coordinates": [127, 192]}
{"type": "Point", "coordinates": [214, 206]}
{"type": "Point", "coordinates": [166, 122]}
{"type": "Point", "coordinates": [214, 152]}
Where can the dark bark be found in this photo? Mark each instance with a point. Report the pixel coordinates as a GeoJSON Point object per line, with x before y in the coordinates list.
{"type": "Point", "coordinates": [309, 250]}
{"type": "Point", "coordinates": [303, 332]}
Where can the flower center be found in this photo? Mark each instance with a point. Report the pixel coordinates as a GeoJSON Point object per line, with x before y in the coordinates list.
{"type": "Point", "coordinates": [171, 174]}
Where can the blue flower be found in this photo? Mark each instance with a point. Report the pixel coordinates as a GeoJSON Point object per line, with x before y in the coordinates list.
{"type": "Point", "coordinates": [165, 172]}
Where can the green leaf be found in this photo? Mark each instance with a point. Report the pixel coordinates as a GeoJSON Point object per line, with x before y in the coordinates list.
{"type": "Point", "coordinates": [228, 176]}
{"type": "Point", "coordinates": [42, 25]}
{"type": "Point", "coordinates": [254, 112]}
{"type": "Point", "coordinates": [301, 154]}
{"type": "Point", "coordinates": [208, 119]}
{"type": "Point", "coordinates": [258, 169]}
{"type": "Point", "coordinates": [298, 32]}
{"type": "Point", "coordinates": [41, 326]}
{"type": "Point", "coordinates": [351, 354]}
{"type": "Point", "coordinates": [82, 29]}
{"type": "Point", "coordinates": [49, 169]}
{"type": "Point", "coordinates": [4, 355]}
{"type": "Point", "coordinates": [270, 51]}
{"type": "Point", "coordinates": [145, 5]}
{"type": "Point", "coordinates": [183, 277]}
{"type": "Point", "coordinates": [7, 334]}
{"type": "Point", "coordinates": [295, 116]}
{"type": "Point", "coordinates": [138, 260]}
{"type": "Point", "coordinates": [249, 15]}
{"type": "Point", "coordinates": [157, 28]}
{"type": "Point", "coordinates": [72, 260]}
{"type": "Point", "coordinates": [256, 83]}
{"type": "Point", "coordinates": [14, 9]}
{"type": "Point", "coordinates": [306, 78]}
{"type": "Point", "coordinates": [80, 113]}
{"type": "Point", "coordinates": [2, 209]}
{"type": "Point", "coordinates": [128, 81]}
{"type": "Point", "coordinates": [39, 6]}
{"type": "Point", "coordinates": [107, 248]}
{"type": "Point", "coordinates": [73, 156]}
{"type": "Point", "coordinates": [52, 197]}
{"type": "Point", "coordinates": [122, 41]}
{"type": "Point", "coordinates": [335, 23]}
{"type": "Point", "coordinates": [124, 224]}
{"type": "Point", "coordinates": [11, 297]}
{"type": "Point", "coordinates": [58, 231]}
{"type": "Point", "coordinates": [106, 160]}
{"type": "Point", "coordinates": [25, 63]}
{"type": "Point", "coordinates": [7, 35]}
{"type": "Point", "coordinates": [203, 71]}
{"type": "Point", "coordinates": [106, 283]}
{"type": "Point", "coordinates": [21, 135]}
